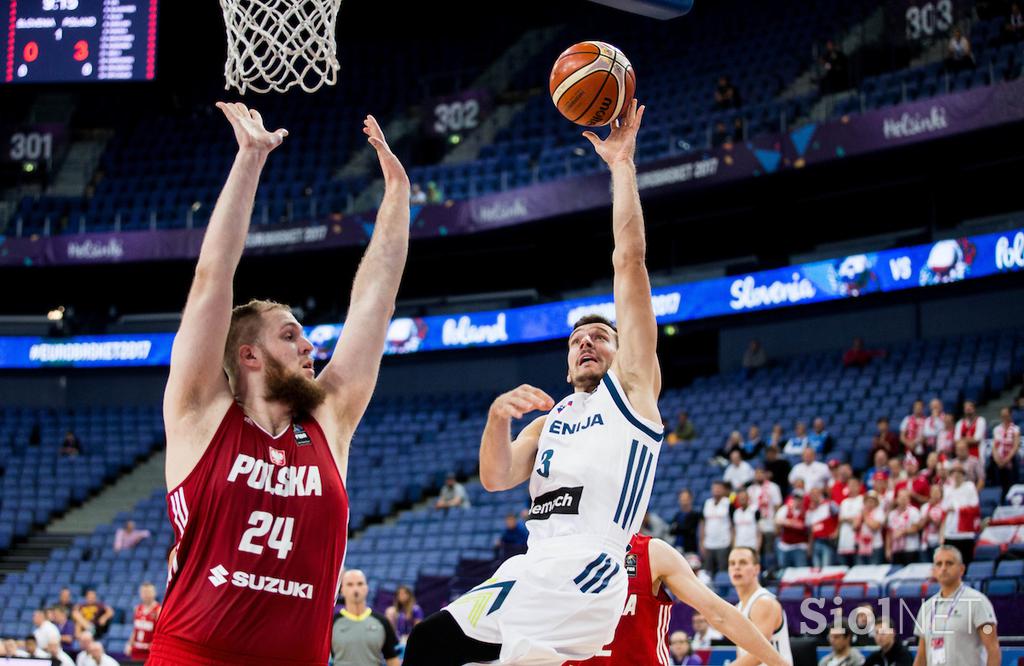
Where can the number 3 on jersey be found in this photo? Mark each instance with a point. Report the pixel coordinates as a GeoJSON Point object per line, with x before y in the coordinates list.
{"type": "Point", "coordinates": [280, 534]}
{"type": "Point", "coordinates": [545, 463]}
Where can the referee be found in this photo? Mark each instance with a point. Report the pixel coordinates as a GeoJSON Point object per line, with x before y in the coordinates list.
{"type": "Point", "coordinates": [361, 636]}
{"type": "Point", "coordinates": [957, 626]}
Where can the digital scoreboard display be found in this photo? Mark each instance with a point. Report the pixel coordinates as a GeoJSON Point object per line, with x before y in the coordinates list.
{"type": "Point", "coordinates": [59, 41]}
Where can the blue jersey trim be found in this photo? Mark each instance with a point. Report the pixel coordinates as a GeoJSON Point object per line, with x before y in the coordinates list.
{"type": "Point", "coordinates": [621, 404]}
{"type": "Point", "coordinates": [625, 482]}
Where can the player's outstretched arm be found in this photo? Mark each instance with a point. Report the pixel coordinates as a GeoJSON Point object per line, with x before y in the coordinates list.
{"type": "Point", "coordinates": [197, 359]}
{"type": "Point", "coordinates": [505, 464]}
{"type": "Point", "coordinates": [351, 374]}
{"type": "Point", "coordinates": [675, 573]}
{"type": "Point", "coordinates": [636, 360]}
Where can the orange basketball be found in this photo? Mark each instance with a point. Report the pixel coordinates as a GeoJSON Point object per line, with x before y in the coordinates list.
{"type": "Point", "coordinates": [591, 83]}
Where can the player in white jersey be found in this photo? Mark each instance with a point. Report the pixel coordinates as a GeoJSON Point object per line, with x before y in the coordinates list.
{"type": "Point", "coordinates": [590, 462]}
{"type": "Point", "coordinates": [756, 603]}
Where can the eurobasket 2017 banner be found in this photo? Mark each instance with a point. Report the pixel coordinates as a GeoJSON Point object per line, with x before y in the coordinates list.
{"type": "Point", "coordinates": [814, 143]}
{"type": "Point", "coordinates": [942, 262]}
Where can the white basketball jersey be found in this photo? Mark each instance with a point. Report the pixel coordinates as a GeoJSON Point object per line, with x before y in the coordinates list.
{"type": "Point", "coordinates": [780, 639]}
{"type": "Point", "coordinates": [594, 470]}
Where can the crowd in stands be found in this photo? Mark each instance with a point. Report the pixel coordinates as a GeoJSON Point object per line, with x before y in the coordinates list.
{"type": "Point", "coordinates": [920, 490]}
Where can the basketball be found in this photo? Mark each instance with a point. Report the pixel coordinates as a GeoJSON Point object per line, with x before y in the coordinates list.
{"type": "Point", "coordinates": [591, 83]}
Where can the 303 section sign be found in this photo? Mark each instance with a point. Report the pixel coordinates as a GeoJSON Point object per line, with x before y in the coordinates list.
{"type": "Point", "coordinates": [78, 40]}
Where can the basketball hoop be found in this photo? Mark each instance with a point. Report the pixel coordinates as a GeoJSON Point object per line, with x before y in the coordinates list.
{"type": "Point", "coordinates": [274, 45]}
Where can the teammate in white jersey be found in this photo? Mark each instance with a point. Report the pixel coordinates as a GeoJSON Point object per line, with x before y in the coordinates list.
{"type": "Point", "coordinates": [590, 462]}
{"type": "Point", "coordinates": [758, 604]}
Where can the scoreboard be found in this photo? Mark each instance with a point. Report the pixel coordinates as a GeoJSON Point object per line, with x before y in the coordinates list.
{"type": "Point", "coordinates": [50, 41]}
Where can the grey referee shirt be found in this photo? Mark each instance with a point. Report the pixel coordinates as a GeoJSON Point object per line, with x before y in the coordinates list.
{"type": "Point", "coordinates": [951, 631]}
{"type": "Point", "coordinates": [361, 640]}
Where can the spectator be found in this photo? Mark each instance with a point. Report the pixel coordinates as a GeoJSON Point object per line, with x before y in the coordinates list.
{"type": "Point", "coordinates": [754, 358]}
{"type": "Point", "coordinates": [721, 135]}
{"type": "Point", "coordinates": [814, 474]}
{"type": "Point", "coordinates": [1004, 466]}
{"type": "Point", "coordinates": [404, 613]}
{"type": "Point", "coordinates": [932, 517]}
{"type": "Point", "coordinates": [434, 194]}
{"type": "Point", "coordinates": [767, 497]}
{"type": "Point", "coordinates": [835, 75]}
{"type": "Point", "coordinates": [680, 650]}
{"type": "Point", "coordinates": [85, 640]}
{"type": "Point", "coordinates": [904, 524]}
{"type": "Point", "coordinates": [912, 431]}
{"type": "Point", "coordinates": [99, 656]}
{"type": "Point", "coordinates": [33, 650]}
{"type": "Point", "coordinates": [417, 197]}
{"type": "Point", "coordinates": [870, 538]}
{"type": "Point", "coordinates": [56, 654]}
{"type": "Point", "coordinates": [739, 472]}
{"type": "Point", "coordinates": [973, 470]}
{"type": "Point", "coordinates": [918, 483]}
{"type": "Point", "coordinates": [963, 514]}
{"type": "Point", "coordinates": [891, 651]}
{"type": "Point", "coordinates": [858, 357]}
{"type": "Point", "coordinates": [819, 438]}
{"type": "Point", "coordinates": [66, 628]}
{"type": "Point", "coordinates": [754, 445]}
{"type": "Point", "coordinates": [945, 441]}
{"type": "Point", "coordinates": [777, 438]}
{"type": "Point", "coordinates": [933, 423]}
{"type": "Point", "coordinates": [843, 654]}
{"type": "Point", "coordinates": [862, 619]}
{"type": "Point", "coordinates": [65, 601]}
{"type": "Point", "coordinates": [745, 518]}
{"type": "Point", "coordinates": [959, 56]}
{"type": "Point", "coordinates": [716, 530]}
{"type": "Point", "coordinates": [71, 446]}
{"type": "Point", "coordinates": [726, 94]}
{"type": "Point", "coordinates": [361, 636]}
{"type": "Point", "coordinates": [654, 526]}
{"type": "Point", "coordinates": [685, 524]}
{"type": "Point", "coordinates": [92, 615]}
{"type": "Point", "coordinates": [791, 526]}
{"type": "Point", "coordinates": [513, 538]}
{"type": "Point", "coordinates": [967, 631]}
{"type": "Point", "coordinates": [1013, 30]}
{"type": "Point", "coordinates": [453, 495]}
{"type": "Point", "coordinates": [778, 467]}
{"type": "Point", "coordinates": [851, 512]}
{"type": "Point", "coordinates": [840, 488]}
{"type": "Point", "coordinates": [45, 631]}
{"type": "Point", "coordinates": [734, 442]}
{"type": "Point", "coordinates": [885, 439]}
{"type": "Point", "coordinates": [703, 633]}
{"type": "Point", "coordinates": [881, 466]}
{"type": "Point", "coordinates": [128, 537]}
{"type": "Point", "coordinates": [11, 649]}
{"type": "Point", "coordinates": [971, 428]}
{"type": "Point", "coordinates": [823, 520]}
{"type": "Point", "coordinates": [684, 431]}
{"type": "Point", "coordinates": [799, 441]}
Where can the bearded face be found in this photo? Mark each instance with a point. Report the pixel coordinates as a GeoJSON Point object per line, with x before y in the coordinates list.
{"type": "Point", "coordinates": [293, 388]}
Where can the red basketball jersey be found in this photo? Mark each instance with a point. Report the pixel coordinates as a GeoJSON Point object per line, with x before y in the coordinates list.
{"type": "Point", "coordinates": [261, 527]}
{"type": "Point", "coordinates": [142, 630]}
{"type": "Point", "coordinates": [641, 639]}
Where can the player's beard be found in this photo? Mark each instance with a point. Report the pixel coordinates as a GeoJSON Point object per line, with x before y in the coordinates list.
{"type": "Point", "coordinates": [300, 393]}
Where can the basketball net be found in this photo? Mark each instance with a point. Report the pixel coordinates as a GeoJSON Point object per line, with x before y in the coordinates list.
{"type": "Point", "coordinates": [274, 45]}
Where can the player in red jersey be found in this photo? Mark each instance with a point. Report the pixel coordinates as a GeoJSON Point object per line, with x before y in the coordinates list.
{"type": "Point", "coordinates": [641, 636]}
{"type": "Point", "coordinates": [257, 444]}
{"type": "Point", "coordinates": [146, 614]}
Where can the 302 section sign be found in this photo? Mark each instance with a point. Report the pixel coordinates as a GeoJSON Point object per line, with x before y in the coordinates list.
{"type": "Point", "coordinates": [455, 114]}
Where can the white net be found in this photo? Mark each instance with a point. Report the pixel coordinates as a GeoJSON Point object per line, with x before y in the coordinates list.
{"type": "Point", "coordinates": [274, 45]}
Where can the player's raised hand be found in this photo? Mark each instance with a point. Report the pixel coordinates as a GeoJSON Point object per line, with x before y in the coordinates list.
{"type": "Point", "coordinates": [620, 146]}
{"type": "Point", "coordinates": [519, 401]}
{"type": "Point", "coordinates": [390, 166]}
{"type": "Point", "coordinates": [249, 130]}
